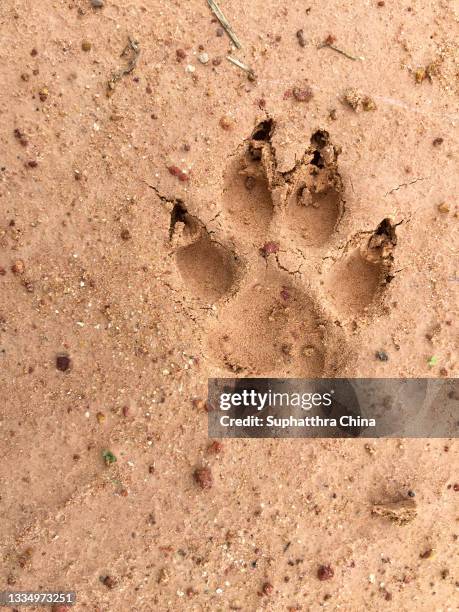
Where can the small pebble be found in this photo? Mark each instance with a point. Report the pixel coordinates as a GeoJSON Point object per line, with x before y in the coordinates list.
{"type": "Point", "coordinates": [86, 45]}
{"type": "Point", "coordinates": [267, 589]}
{"type": "Point", "coordinates": [180, 174]}
{"type": "Point", "coordinates": [302, 94]}
{"type": "Point", "coordinates": [63, 362]}
{"type": "Point", "coordinates": [420, 74]}
{"type": "Point", "coordinates": [428, 554]}
{"type": "Point", "coordinates": [203, 58]}
{"type": "Point", "coordinates": [21, 137]}
{"type": "Point", "coordinates": [215, 448]}
{"type": "Point", "coordinates": [443, 207]}
{"type": "Point", "coordinates": [43, 93]}
{"type": "Point", "coordinates": [18, 267]}
{"type": "Point", "coordinates": [382, 356]}
{"type": "Point", "coordinates": [269, 248]}
{"type": "Point", "coordinates": [125, 234]}
{"type": "Point", "coordinates": [97, 3]}
{"type": "Point", "coordinates": [325, 572]}
{"type": "Point", "coordinates": [301, 38]}
{"type": "Point", "coordinates": [226, 123]}
{"type": "Point", "coordinates": [109, 581]}
{"type": "Point", "coordinates": [437, 142]}
{"type": "Point", "coordinates": [203, 476]}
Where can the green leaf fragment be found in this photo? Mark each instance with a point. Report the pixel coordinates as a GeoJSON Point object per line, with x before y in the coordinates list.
{"type": "Point", "coordinates": [108, 457]}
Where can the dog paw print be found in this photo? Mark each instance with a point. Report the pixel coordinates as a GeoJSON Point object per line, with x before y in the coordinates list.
{"type": "Point", "coordinates": [280, 285]}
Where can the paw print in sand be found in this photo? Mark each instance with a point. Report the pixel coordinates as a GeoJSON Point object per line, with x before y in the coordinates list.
{"type": "Point", "coordinates": [280, 284]}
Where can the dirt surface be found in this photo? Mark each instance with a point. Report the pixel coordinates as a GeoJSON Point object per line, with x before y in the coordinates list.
{"type": "Point", "coordinates": [167, 216]}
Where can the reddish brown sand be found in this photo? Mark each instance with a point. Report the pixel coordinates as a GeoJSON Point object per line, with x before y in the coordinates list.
{"type": "Point", "coordinates": [131, 242]}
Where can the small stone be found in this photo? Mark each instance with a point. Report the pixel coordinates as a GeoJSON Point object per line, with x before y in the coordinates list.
{"type": "Point", "coordinates": [358, 101]}
{"type": "Point", "coordinates": [456, 487]}
{"type": "Point", "coordinates": [216, 61]}
{"type": "Point", "coordinates": [437, 142]}
{"type": "Point", "coordinates": [97, 3]}
{"type": "Point", "coordinates": [180, 54]}
{"type": "Point", "coordinates": [382, 356]}
{"type": "Point", "coordinates": [63, 362]}
{"type": "Point", "coordinates": [420, 74]}
{"type": "Point", "coordinates": [269, 248]}
{"type": "Point", "coordinates": [32, 163]}
{"type": "Point", "coordinates": [325, 572]}
{"type": "Point", "coordinates": [203, 476]}
{"type": "Point", "coordinates": [101, 418]}
{"type": "Point", "coordinates": [203, 58]}
{"type": "Point", "coordinates": [368, 104]}
{"type": "Point", "coordinates": [443, 207]}
{"type": "Point", "coordinates": [444, 573]}
{"type": "Point", "coordinates": [109, 581]}
{"type": "Point", "coordinates": [220, 32]}
{"type": "Point", "coordinates": [330, 40]}
{"type": "Point", "coordinates": [180, 174]}
{"type": "Point", "coordinates": [18, 267]}
{"type": "Point", "coordinates": [226, 123]}
{"type": "Point", "coordinates": [163, 576]}
{"type": "Point", "coordinates": [43, 93]}
{"type": "Point", "coordinates": [200, 404]}
{"type": "Point", "coordinates": [411, 493]}
{"type": "Point", "coordinates": [125, 234]}
{"type": "Point", "coordinates": [86, 45]}
{"type": "Point", "coordinates": [301, 38]}
{"type": "Point", "coordinates": [427, 554]}
{"type": "Point", "coordinates": [215, 448]}
{"type": "Point", "coordinates": [21, 137]}
{"type": "Point", "coordinates": [267, 589]}
{"type": "Point", "coordinates": [303, 94]}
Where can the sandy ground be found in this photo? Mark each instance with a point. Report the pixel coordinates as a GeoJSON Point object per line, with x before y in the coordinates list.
{"type": "Point", "coordinates": [146, 243]}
